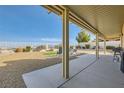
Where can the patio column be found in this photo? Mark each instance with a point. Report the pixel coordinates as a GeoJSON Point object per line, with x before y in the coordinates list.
{"type": "Point", "coordinates": [97, 46]}
{"type": "Point", "coordinates": [122, 37]}
{"type": "Point", "coordinates": [121, 41]}
{"type": "Point", "coordinates": [65, 58]}
{"type": "Point", "coordinates": [104, 46]}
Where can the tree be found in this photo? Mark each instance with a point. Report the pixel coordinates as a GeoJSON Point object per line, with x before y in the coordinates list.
{"type": "Point", "coordinates": [82, 37]}
{"type": "Point", "coordinates": [28, 49]}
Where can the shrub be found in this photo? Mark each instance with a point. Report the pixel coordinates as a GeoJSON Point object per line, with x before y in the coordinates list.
{"type": "Point", "coordinates": [110, 47]}
{"type": "Point", "coordinates": [19, 50]}
{"type": "Point", "coordinates": [24, 50]}
{"type": "Point", "coordinates": [87, 46]}
{"type": "Point", "coordinates": [27, 49]}
{"type": "Point", "coordinates": [56, 46]}
{"type": "Point", "coordinates": [71, 47]}
{"type": "Point", "coordinates": [78, 47]}
{"type": "Point", "coordinates": [60, 50]}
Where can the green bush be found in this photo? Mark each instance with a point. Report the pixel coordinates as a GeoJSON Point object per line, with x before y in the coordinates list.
{"type": "Point", "coordinates": [56, 46]}
{"type": "Point", "coordinates": [87, 46]}
{"type": "Point", "coordinates": [110, 47]}
{"type": "Point", "coordinates": [24, 50]}
{"type": "Point", "coordinates": [27, 49]}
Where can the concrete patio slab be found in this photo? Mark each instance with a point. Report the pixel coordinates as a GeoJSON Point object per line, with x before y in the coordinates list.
{"type": "Point", "coordinates": [102, 74]}
{"type": "Point", "coordinates": [85, 72]}
{"type": "Point", "coordinates": [51, 77]}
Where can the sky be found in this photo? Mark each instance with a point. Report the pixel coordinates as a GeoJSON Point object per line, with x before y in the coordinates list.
{"type": "Point", "coordinates": [32, 24]}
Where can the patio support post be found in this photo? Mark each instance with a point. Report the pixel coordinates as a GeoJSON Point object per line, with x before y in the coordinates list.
{"type": "Point", "coordinates": [97, 46]}
{"type": "Point", "coordinates": [122, 37]}
{"type": "Point", "coordinates": [65, 58]}
{"type": "Point", "coordinates": [104, 46]}
{"type": "Point", "coordinates": [121, 41]}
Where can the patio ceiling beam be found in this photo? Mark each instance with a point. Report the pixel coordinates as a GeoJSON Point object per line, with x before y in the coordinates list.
{"type": "Point", "coordinates": [58, 9]}
{"type": "Point", "coordinates": [84, 23]}
{"type": "Point", "coordinates": [52, 8]}
{"type": "Point", "coordinates": [73, 18]}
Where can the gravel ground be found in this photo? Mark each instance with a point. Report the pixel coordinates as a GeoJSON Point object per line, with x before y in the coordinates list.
{"type": "Point", "coordinates": [13, 66]}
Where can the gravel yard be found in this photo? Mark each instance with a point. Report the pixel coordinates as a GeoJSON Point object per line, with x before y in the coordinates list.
{"type": "Point", "coordinates": [12, 67]}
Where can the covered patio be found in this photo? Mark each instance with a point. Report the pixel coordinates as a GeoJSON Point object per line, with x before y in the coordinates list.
{"type": "Point", "coordinates": [85, 72]}
{"type": "Point", "coordinates": [106, 22]}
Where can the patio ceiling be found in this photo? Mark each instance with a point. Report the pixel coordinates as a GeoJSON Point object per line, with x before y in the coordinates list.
{"type": "Point", "coordinates": [107, 19]}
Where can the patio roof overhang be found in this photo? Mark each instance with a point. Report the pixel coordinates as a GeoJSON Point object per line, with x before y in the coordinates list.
{"type": "Point", "coordinates": [58, 9]}
{"type": "Point", "coordinates": [106, 22]}
{"type": "Point", "coordinates": [103, 19]}
{"type": "Point", "coordinates": [107, 19]}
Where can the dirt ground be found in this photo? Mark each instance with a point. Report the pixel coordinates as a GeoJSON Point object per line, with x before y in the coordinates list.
{"type": "Point", "coordinates": [12, 67]}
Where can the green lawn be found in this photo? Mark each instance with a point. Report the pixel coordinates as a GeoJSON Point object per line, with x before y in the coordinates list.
{"type": "Point", "coordinates": [50, 53]}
